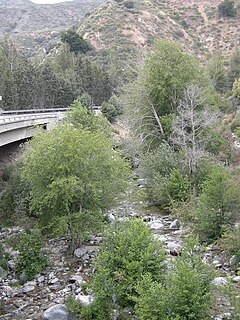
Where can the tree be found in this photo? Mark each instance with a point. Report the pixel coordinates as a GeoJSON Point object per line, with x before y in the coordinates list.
{"type": "Point", "coordinates": [154, 97]}
{"type": "Point", "coordinates": [168, 71]}
{"type": "Point", "coordinates": [76, 43]}
{"type": "Point", "coordinates": [192, 119]}
{"type": "Point", "coordinates": [69, 171]}
{"type": "Point", "coordinates": [227, 8]}
{"type": "Point", "coordinates": [53, 89]}
{"type": "Point", "coordinates": [92, 79]}
{"type": "Point", "coordinates": [234, 68]}
{"type": "Point", "coordinates": [217, 73]}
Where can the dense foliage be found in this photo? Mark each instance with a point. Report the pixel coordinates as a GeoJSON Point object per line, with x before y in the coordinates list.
{"type": "Point", "coordinates": [31, 259]}
{"type": "Point", "coordinates": [72, 174]}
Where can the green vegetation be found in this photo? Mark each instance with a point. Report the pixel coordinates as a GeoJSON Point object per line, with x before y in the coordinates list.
{"type": "Point", "coordinates": [73, 176]}
{"type": "Point", "coordinates": [76, 43]}
{"type": "Point", "coordinates": [185, 293]}
{"type": "Point", "coordinates": [227, 8]}
{"type": "Point", "coordinates": [31, 259]}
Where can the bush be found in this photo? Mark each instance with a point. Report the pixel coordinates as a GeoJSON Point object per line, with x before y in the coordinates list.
{"type": "Point", "coordinates": [3, 258]}
{"type": "Point", "coordinates": [164, 181]}
{"type": "Point", "coordinates": [128, 253]}
{"type": "Point", "coordinates": [86, 101]}
{"type": "Point", "coordinates": [185, 293]}
{"type": "Point", "coordinates": [227, 8]}
{"type": "Point", "coordinates": [111, 109]}
{"type": "Point", "coordinates": [217, 205]}
{"type": "Point", "coordinates": [31, 259]}
{"type": "Point", "coordinates": [14, 199]}
{"type": "Point", "coordinates": [230, 242]}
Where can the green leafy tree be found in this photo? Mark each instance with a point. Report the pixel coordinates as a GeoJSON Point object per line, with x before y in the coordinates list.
{"type": "Point", "coordinates": [92, 79]}
{"type": "Point", "coordinates": [168, 71]}
{"type": "Point", "coordinates": [154, 97]}
{"type": "Point", "coordinates": [76, 43]}
{"type": "Point", "coordinates": [71, 170]}
{"type": "Point", "coordinates": [80, 116]}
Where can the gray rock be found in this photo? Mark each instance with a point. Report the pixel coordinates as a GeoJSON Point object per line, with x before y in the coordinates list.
{"type": "Point", "coordinates": [219, 281]}
{"type": "Point", "coordinates": [29, 286]}
{"type": "Point", "coordinates": [40, 279]}
{"type": "Point", "coordinates": [156, 225]}
{"type": "Point", "coordinates": [53, 281]}
{"type": "Point", "coordinates": [11, 264]}
{"type": "Point", "coordinates": [175, 225]}
{"type": "Point", "coordinates": [236, 279]}
{"type": "Point", "coordinates": [57, 312]}
{"type": "Point", "coordinates": [217, 264]}
{"type": "Point", "coordinates": [79, 252]}
{"type": "Point", "coordinates": [7, 291]}
{"type": "Point", "coordinates": [232, 261]}
{"type": "Point", "coordinates": [23, 277]}
{"type": "Point", "coordinates": [174, 246]}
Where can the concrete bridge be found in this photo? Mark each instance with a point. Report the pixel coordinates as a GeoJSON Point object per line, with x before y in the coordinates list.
{"type": "Point", "coordinates": [17, 125]}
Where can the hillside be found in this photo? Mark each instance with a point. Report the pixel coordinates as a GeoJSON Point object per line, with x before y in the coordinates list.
{"type": "Point", "coordinates": [33, 26]}
{"type": "Point", "coordinates": [196, 24]}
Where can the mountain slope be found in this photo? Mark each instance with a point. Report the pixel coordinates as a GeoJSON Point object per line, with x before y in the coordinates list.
{"type": "Point", "coordinates": [35, 26]}
{"type": "Point", "coordinates": [195, 23]}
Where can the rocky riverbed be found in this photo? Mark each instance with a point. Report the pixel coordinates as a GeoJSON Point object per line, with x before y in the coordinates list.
{"type": "Point", "coordinates": [44, 297]}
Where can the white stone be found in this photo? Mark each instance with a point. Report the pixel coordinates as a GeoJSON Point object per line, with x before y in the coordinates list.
{"type": "Point", "coordinates": [156, 225]}
{"type": "Point", "coordinates": [236, 279]}
{"type": "Point", "coordinates": [219, 281]}
{"type": "Point", "coordinates": [86, 300]}
{"type": "Point", "coordinates": [76, 278]}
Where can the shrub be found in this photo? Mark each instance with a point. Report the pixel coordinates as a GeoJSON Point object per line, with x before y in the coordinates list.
{"type": "Point", "coordinates": [14, 199]}
{"type": "Point", "coordinates": [94, 311]}
{"type": "Point", "coordinates": [31, 259]}
{"type": "Point", "coordinates": [111, 109]}
{"type": "Point", "coordinates": [164, 181]}
{"type": "Point", "coordinates": [86, 101]}
{"type": "Point", "coordinates": [128, 253]}
{"type": "Point", "coordinates": [185, 293]}
{"type": "Point", "coordinates": [227, 8]}
{"type": "Point", "coordinates": [129, 4]}
{"type": "Point", "coordinates": [230, 242]}
{"type": "Point", "coordinates": [3, 258]}
{"type": "Point", "coordinates": [217, 205]}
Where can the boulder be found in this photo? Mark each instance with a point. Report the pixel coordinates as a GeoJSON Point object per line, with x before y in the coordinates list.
{"type": "Point", "coordinates": [79, 252]}
{"type": "Point", "coordinates": [219, 281]}
{"type": "Point", "coordinates": [175, 225]}
{"type": "Point", "coordinates": [57, 312]}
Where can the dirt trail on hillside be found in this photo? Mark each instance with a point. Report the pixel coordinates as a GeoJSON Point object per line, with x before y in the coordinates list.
{"type": "Point", "coordinates": [203, 14]}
